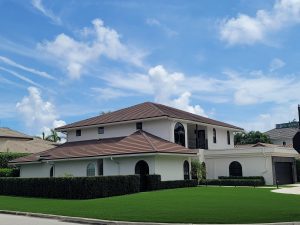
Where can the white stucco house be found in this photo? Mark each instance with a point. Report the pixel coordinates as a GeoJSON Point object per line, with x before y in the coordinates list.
{"type": "Point", "coordinates": [151, 138]}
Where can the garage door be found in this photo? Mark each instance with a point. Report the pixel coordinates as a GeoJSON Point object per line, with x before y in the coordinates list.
{"type": "Point", "coordinates": [284, 172]}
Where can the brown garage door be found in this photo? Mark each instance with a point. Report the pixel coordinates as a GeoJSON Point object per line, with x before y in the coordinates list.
{"type": "Point", "coordinates": [284, 172]}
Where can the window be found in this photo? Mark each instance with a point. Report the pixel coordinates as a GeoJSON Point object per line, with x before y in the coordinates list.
{"type": "Point", "coordinates": [52, 171]}
{"type": "Point", "coordinates": [179, 134]}
{"type": "Point", "coordinates": [100, 167]}
{"type": "Point", "coordinates": [228, 138]}
{"type": "Point", "coordinates": [284, 143]}
{"type": "Point", "coordinates": [78, 133]}
{"type": "Point", "coordinates": [235, 169]}
{"type": "Point", "coordinates": [139, 126]}
{"type": "Point", "coordinates": [141, 168]}
{"type": "Point", "coordinates": [100, 130]}
{"type": "Point", "coordinates": [186, 170]}
{"type": "Point", "coordinates": [91, 170]}
{"type": "Point", "coordinates": [214, 135]}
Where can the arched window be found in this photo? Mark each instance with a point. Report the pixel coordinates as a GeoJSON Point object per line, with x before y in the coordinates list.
{"type": "Point", "coordinates": [186, 170]}
{"type": "Point", "coordinates": [228, 138]}
{"type": "Point", "coordinates": [235, 169]}
{"type": "Point", "coordinates": [52, 171]}
{"type": "Point", "coordinates": [214, 135]}
{"type": "Point", "coordinates": [91, 170]}
{"type": "Point", "coordinates": [141, 168]}
{"type": "Point", "coordinates": [179, 134]}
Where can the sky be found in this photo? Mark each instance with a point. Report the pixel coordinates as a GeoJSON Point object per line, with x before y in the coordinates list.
{"type": "Point", "coordinates": [63, 61]}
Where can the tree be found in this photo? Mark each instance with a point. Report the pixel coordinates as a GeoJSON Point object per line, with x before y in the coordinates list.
{"type": "Point", "coordinates": [53, 137]}
{"type": "Point", "coordinates": [198, 170]}
{"type": "Point", "coordinates": [251, 137]}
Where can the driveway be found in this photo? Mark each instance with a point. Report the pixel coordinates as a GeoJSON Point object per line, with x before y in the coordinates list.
{"type": "Point", "coordinates": [291, 189]}
{"type": "Point", "coordinates": [6, 219]}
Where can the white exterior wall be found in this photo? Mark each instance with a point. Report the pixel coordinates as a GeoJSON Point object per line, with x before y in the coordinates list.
{"type": "Point", "coordinates": [35, 170]}
{"type": "Point", "coordinates": [280, 141]}
{"type": "Point", "coordinates": [221, 138]}
{"type": "Point", "coordinates": [160, 128]}
{"type": "Point", "coordinates": [251, 166]}
{"type": "Point", "coordinates": [170, 167]}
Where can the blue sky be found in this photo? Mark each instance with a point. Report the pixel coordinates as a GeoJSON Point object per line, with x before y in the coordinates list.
{"type": "Point", "coordinates": [62, 61]}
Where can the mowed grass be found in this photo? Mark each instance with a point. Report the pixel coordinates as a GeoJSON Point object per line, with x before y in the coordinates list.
{"type": "Point", "coordinates": [187, 205]}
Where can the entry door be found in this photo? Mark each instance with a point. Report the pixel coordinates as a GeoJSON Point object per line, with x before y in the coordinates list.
{"type": "Point", "coordinates": [201, 139]}
{"type": "Point", "coordinates": [284, 172]}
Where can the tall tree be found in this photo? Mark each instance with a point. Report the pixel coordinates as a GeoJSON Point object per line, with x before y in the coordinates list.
{"type": "Point", "coordinates": [251, 137]}
{"type": "Point", "coordinates": [53, 137]}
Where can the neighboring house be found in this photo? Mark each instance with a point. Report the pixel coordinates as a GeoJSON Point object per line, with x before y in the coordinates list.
{"type": "Point", "coordinates": [151, 138]}
{"type": "Point", "coordinates": [14, 141]}
{"type": "Point", "coordinates": [283, 134]}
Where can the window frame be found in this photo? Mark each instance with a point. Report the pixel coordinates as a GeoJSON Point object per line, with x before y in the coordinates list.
{"type": "Point", "coordinates": [235, 169]}
{"type": "Point", "coordinates": [228, 138]}
{"type": "Point", "coordinates": [214, 136]}
{"type": "Point", "coordinates": [88, 170]}
{"type": "Point", "coordinates": [78, 133]}
{"type": "Point", "coordinates": [139, 125]}
{"type": "Point", "coordinates": [181, 136]}
{"type": "Point", "coordinates": [100, 130]}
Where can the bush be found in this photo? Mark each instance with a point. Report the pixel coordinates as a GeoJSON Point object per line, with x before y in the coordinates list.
{"type": "Point", "coordinates": [233, 182]}
{"type": "Point", "coordinates": [9, 172]}
{"type": "Point", "coordinates": [70, 187]}
{"type": "Point", "coordinates": [154, 183]}
{"type": "Point", "coordinates": [243, 178]}
{"type": "Point", "coordinates": [5, 157]}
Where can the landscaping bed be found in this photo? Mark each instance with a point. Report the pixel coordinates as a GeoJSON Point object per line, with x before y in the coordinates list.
{"type": "Point", "coordinates": [185, 205]}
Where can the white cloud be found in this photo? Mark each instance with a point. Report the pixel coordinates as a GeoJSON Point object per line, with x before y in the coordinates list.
{"type": "Point", "coordinates": [28, 69]}
{"type": "Point", "coordinates": [156, 23]}
{"type": "Point", "coordinates": [38, 4]}
{"type": "Point", "coordinates": [245, 29]}
{"type": "Point", "coordinates": [108, 93]}
{"type": "Point", "coordinates": [276, 64]}
{"type": "Point", "coordinates": [39, 115]}
{"type": "Point", "coordinates": [19, 76]}
{"type": "Point", "coordinates": [266, 121]}
{"type": "Point", "coordinates": [77, 55]}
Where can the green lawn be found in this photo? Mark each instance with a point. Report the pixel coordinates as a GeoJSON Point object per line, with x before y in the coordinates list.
{"type": "Point", "coordinates": [188, 205]}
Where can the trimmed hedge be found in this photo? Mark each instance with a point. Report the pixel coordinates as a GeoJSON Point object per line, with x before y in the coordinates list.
{"type": "Point", "coordinates": [154, 183]}
{"type": "Point", "coordinates": [233, 182]}
{"type": "Point", "coordinates": [70, 187]}
{"type": "Point", "coordinates": [5, 157]}
{"type": "Point", "coordinates": [242, 178]}
{"type": "Point", "coordinates": [9, 172]}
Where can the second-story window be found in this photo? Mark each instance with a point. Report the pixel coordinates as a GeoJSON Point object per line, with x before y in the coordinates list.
{"type": "Point", "coordinates": [228, 137]}
{"type": "Point", "coordinates": [100, 130]}
{"type": "Point", "coordinates": [179, 134]}
{"type": "Point", "coordinates": [139, 126]}
{"type": "Point", "coordinates": [78, 133]}
{"type": "Point", "coordinates": [214, 135]}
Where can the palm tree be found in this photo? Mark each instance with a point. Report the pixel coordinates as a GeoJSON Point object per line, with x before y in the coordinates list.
{"type": "Point", "coordinates": [53, 137]}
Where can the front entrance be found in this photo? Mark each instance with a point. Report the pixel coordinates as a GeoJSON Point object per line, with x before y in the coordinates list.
{"type": "Point", "coordinates": [284, 172]}
{"type": "Point", "coordinates": [142, 169]}
{"type": "Point", "coordinates": [201, 141]}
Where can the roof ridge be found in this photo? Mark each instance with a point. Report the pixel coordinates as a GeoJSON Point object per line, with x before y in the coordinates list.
{"type": "Point", "coordinates": [155, 106]}
{"type": "Point", "coordinates": [148, 140]}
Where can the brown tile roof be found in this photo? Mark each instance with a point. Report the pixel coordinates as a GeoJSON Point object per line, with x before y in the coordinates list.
{"type": "Point", "coordinates": [143, 111]}
{"type": "Point", "coordinates": [137, 143]}
{"type": "Point", "coordinates": [26, 146]}
{"type": "Point", "coordinates": [6, 132]}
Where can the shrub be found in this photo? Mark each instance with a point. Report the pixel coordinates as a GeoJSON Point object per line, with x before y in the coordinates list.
{"type": "Point", "coordinates": [9, 172]}
{"type": "Point", "coordinates": [242, 178]}
{"type": "Point", "coordinates": [198, 170]}
{"type": "Point", "coordinates": [5, 157]}
{"type": "Point", "coordinates": [233, 182]}
{"type": "Point", "coordinates": [154, 183]}
{"type": "Point", "coordinates": [70, 187]}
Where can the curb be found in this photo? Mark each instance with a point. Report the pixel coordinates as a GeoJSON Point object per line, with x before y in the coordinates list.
{"type": "Point", "coordinates": [81, 220]}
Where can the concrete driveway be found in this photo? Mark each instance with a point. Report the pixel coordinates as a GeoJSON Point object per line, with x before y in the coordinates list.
{"type": "Point", "coordinates": [290, 189]}
{"type": "Point", "coordinates": [6, 219]}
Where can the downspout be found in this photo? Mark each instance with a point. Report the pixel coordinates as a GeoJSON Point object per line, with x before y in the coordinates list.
{"type": "Point", "coordinates": [116, 162]}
